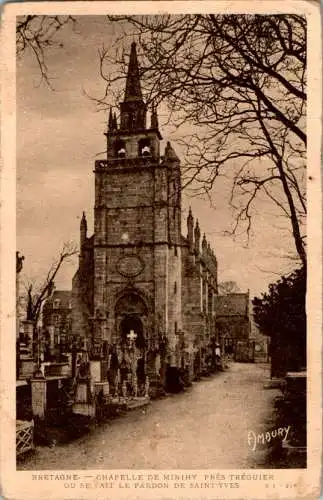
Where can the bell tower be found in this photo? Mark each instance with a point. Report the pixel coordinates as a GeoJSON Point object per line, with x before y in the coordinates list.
{"type": "Point", "coordinates": [132, 139]}
{"type": "Point", "coordinates": [136, 226]}
{"type": "Point", "coordinates": [133, 108]}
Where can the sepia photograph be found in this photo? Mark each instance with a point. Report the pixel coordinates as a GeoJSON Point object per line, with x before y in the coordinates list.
{"type": "Point", "coordinates": [162, 249]}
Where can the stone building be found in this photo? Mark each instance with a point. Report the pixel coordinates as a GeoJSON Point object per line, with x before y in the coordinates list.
{"type": "Point", "coordinates": [138, 277]}
{"type": "Point", "coordinates": [233, 318]}
{"type": "Point", "coordinates": [57, 320]}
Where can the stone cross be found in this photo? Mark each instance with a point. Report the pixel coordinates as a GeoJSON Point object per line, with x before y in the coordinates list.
{"type": "Point", "coordinates": [132, 336]}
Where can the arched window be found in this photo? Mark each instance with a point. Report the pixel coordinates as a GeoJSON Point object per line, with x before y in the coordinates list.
{"type": "Point", "coordinates": [144, 147]}
{"type": "Point", "coordinates": [120, 149]}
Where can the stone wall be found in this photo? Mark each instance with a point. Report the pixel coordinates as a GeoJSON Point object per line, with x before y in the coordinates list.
{"type": "Point", "coordinates": [199, 289]}
{"type": "Point", "coordinates": [132, 229]}
{"type": "Point", "coordinates": [128, 186]}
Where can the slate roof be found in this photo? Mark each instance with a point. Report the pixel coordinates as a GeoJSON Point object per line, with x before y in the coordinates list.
{"type": "Point", "coordinates": [233, 304]}
{"type": "Point", "coordinates": [65, 296]}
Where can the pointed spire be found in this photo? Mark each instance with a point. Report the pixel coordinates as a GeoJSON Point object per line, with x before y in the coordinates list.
{"type": "Point", "coordinates": [133, 109]}
{"type": "Point", "coordinates": [204, 243]}
{"type": "Point", "coordinates": [83, 231]}
{"type": "Point", "coordinates": [170, 153]}
{"type": "Point", "coordinates": [197, 228]}
{"type": "Point", "coordinates": [110, 125]}
{"type": "Point", "coordinates": [190, 230]}
{"type": "Point", "coordinates": [114, 122]}
{"type": "Point", "coordinates": [83, 222]}
{"type": "Point", "coordinates": [133, 89]}
{"type": "Point", "coordinates": [154, 118]}
{"type": "Point", "coordinates": [197, 236]}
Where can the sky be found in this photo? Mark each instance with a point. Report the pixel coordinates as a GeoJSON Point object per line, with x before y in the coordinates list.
{"type": "Point", "coordinates": [59, 136]}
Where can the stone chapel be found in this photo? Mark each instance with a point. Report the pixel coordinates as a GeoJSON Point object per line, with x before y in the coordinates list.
{"type": "Point", "coordinates": [138, 275]}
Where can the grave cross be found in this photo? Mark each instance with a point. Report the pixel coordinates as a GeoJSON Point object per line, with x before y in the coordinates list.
{"type": "Point", "coordinates": [132, 336]}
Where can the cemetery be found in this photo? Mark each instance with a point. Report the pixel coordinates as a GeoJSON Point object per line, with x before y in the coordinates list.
{"type": "Point", "coordinates": [144, 317]}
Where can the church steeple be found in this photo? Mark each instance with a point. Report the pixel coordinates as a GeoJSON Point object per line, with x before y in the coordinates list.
{"type": "Point", "coordinates": [133, 108]}
{"type": "Point", "coordinates": [133, 88]}
{"type": "Point", "coordinates": [130, 137]}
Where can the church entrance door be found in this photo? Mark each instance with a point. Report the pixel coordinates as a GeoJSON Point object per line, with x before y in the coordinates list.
{"type": "Point", "coordinates": [131, 330]}
{"type": "Point", "coordinates": [131, 317]}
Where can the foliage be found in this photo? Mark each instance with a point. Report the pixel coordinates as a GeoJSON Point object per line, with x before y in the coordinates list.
{"type": "Point", "coordinates": [281, 314]}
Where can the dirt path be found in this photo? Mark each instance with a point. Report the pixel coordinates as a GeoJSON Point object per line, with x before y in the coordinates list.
{"type": "Point", "coordinates": [204, 427]}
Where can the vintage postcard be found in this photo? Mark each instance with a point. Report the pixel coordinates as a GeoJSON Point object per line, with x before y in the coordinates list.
{"type": "Point", "coordinates": [161, 250]}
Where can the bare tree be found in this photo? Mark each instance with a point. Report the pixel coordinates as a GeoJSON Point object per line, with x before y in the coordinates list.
{"type": "Point", "coordinates": [240, 82]}
{"type": "Point", "coordinates": [227, 287]}
{"type": "Point", "coordinates": [37, 34]}
{"type": "Point", "coordinates": [36, 295]}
